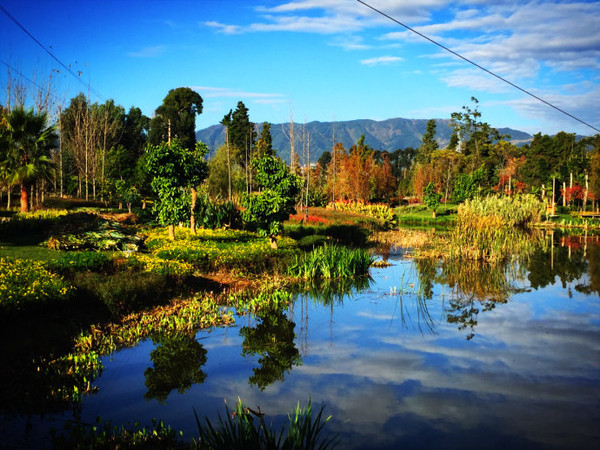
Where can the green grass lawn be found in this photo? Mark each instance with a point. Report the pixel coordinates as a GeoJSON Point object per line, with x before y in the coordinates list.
{"type": "Point", "coordinates": [421, 215]}
{"type": "Point", "coordinates": [26, 246]}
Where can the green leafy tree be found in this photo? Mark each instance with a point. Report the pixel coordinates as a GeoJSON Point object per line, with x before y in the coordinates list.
{"type": "Point", "coordinates": [175, 171]}
{"type": "Point", "coordinates": [431, 198]}
{"type": "Point", "coordinates": [25, 145]}
{"type": "Point", "coordinates": [127, 193]}
{"type": "Point", "coordinates": [241, 131]}
{"type": "Point", "coordinates": [267, 209]}
{"type": "Point", "coordinates": [467, 186]}
{"type": "Point", "coordinates": [176, 118]}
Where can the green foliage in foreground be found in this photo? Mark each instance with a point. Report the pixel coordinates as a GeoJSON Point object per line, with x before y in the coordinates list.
{"type": "Point", "coordinates": [241, 430]}
{"type": "Point", "coordinates": [332, 261]}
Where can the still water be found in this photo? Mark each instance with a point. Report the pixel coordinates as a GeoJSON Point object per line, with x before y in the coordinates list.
{"type": "Point", "coordinates": [419, 356]}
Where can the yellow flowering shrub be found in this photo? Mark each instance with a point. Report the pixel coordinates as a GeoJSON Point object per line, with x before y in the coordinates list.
{"type": "Point", "coordinates": [24, 282]}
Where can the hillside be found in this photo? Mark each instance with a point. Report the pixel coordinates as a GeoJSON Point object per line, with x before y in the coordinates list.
{"type": "Point", "coordinates": [390, 135]}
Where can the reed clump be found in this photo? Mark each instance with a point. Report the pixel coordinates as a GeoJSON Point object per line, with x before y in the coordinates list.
{"type": "Point", "coordinates": [495, 229]}
{"type": "Point", "coordinates": [330, 262]}
{"type": "Point", "coordinates": [247, 428]}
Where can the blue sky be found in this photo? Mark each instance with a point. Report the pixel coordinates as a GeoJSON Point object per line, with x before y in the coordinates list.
{"type": "Point", "coordinates": [320, 59]}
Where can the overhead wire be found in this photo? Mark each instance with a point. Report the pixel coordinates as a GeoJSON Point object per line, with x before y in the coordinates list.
{"type": "Point", "coordinates": [478, 65]}
{"type": "Point", "coordinates": [52, 55]}
{"type": "Point", "coordinates": [26, 78]}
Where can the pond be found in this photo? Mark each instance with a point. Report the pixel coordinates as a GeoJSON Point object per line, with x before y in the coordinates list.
{"type": "Point", "coordinates": [418, 356]}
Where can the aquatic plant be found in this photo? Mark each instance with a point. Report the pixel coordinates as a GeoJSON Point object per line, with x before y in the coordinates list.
{"type": "Point", "coordinates": [495, 228]}
{"type": "Point", "coordinates": [331, 261]}
{"type": "Point", "coordinates": [181, 316]}
{"type": "Point", "coordinates": [517, 210]}
{"type": "Point", "coordinates": [246, 302]}
{"type": "Point", "coordinates": [105, 436]}
{"type": "Point", "coordinates": [27, 283]}
{"type": "Point", "coordinates": [239, 430]}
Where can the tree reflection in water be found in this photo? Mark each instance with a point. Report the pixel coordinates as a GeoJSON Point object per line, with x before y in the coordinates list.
{"type": "Point", "coordinates": [272, 339]}
{"type": "Point", "coordinates": [177, 364]}
{"type": "Point", "coordinates": [477, 286]}
{"type": "Point", "coordinates": [568, 259]}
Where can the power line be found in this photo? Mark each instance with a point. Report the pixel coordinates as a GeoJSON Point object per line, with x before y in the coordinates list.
{"type": "Point", "coordinates": [477, 65]}
{"type": "Point", "coordinates": [28, 79]}
{"type": "Point", "coordinates": [68, 69]}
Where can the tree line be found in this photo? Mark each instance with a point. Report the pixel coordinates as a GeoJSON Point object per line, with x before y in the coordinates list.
{"type": "Point", "coordinates": [101, 151]}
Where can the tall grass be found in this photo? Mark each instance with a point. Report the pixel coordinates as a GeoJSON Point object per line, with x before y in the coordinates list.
{"type": "Point", "coordinates": [332, 261]}
{"type": "Point", "coordinates": [495, 228]}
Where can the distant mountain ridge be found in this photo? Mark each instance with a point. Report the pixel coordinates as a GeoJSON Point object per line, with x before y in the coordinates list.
{"type": "Point", "coordinates": [389, 135]}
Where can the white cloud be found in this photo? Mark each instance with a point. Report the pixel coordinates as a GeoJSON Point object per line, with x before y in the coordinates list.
{"type": "Point", "coordinates": [224, 28]}
{"type": "Point", "coordinates": [381, 60]}
{"type": "Point", "coordinates": [149, 52]}
{"type": "Point", "coordinates": [220, 92]}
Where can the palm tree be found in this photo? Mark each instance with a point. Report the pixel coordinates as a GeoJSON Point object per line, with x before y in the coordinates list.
{"type": "Point", "coordinates": [25, 145]}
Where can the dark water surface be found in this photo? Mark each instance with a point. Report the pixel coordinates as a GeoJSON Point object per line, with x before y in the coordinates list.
{"type": "Point", "coordinates": [425, 356]}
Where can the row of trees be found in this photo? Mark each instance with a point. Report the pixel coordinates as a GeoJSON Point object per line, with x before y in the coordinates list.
{"type": "Point", "coordinates": [479, 160]}
{"type": "Point", "coordinates": [100, 151]}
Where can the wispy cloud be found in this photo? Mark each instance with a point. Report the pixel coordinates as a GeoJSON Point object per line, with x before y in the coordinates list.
{"type": "Point", "coordinates": [224, 28]}
{"type": "Point", "coordinates": [149, 52]}
{"type": "Point", "coordinates": [381, 60]}
{"type": "Point", "coordinates": [225, 92]}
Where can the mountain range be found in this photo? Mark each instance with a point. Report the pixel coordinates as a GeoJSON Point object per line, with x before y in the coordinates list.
{"type": "Point", "coordinates": [389, 135]}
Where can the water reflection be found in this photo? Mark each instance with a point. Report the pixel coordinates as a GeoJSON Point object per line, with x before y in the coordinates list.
{"type": "Point", "coordinates": [272, 339]}
{"type": "Point", "coordinates": [390, 359]}
{"type": "Point", "coordinates": [568, 259]}
{"type": "Point", "coordinates": [330, 292]}
{"type": "Point", "coordinates": [177, 364]}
